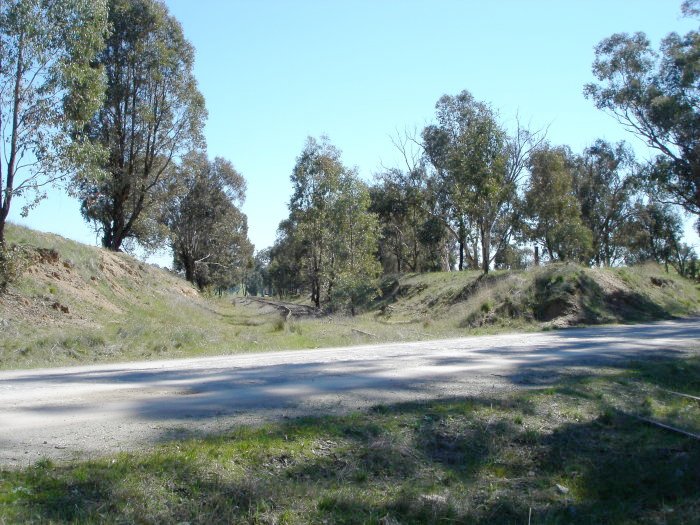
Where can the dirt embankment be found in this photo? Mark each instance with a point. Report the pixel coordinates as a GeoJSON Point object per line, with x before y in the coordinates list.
{"type": "Point", "coordinates": [54, 289]}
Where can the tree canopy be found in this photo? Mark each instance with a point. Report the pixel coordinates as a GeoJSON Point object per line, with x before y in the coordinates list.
{"type": "Point", "coordinates": [152, 113]}
{"type": "Point", "coordinates": [208, 232]}
{"type": "Point", "coordinates": [656, 96]}
{"type": "Point", "coordinates": [477, 168]}
{"type": "Point", "coordinates": [330, 238]}
{"type": "Point", "coordinates": [49, 87]}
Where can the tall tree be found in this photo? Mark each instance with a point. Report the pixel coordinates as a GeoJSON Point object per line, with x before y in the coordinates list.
{"type": "Point", "coordinates": [330, 230]}
{"type": "Point", "coordinates": [258, 280]}
{"type": "Point", "coordinates": [48, 90]}
{"type": "Point", "coordinates": [478, 167]}
{"type": "Point", "coordinates": [398, 198]}
{"type": "Point", "coordinates": [656, 96]}
{"type": "Point", "coordinates": [286, 259]}
{"type": "Point", "coordinates": [551, 208]}
{"type": "Point", "coordinates": [605, 180]}
{"type": "Point", "coordinates": [315, 179]}
{"type": "Point", "coordinates": [208, 232]}
{"type": "Point", "coordinates": [355, 234]}
{"type": "Point", "coordinates": [654, 233]}
{"type": "Point", "coordinates": [152, 113]}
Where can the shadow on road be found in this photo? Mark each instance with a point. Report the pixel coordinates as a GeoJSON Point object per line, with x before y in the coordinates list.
{"type": "Point", "coordinates": [465, 459]}
{"type": "Point", "coordinates": [198, 393]}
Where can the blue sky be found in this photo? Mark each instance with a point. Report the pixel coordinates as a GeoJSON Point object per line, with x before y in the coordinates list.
{"type": "Point", "coordinates": [276, 72]}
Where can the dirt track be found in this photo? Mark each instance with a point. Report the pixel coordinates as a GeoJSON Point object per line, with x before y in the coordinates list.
{"type": "Point", "coordinates": [93, 410]}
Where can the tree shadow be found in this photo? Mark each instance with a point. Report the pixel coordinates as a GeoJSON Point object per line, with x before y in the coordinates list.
{"type": "Point", "coordinates": [459, 460]}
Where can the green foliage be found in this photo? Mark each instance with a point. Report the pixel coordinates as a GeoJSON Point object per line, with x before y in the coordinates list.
{"type": "Point", "coordinates": [50, 88]}
{"type": "Point", "coordinates": [512, 257]}
{"type": "Point", "coordinates": [286, 258]}
{"type": "Point", "coordinates": [331, 237]}
{"type": "Point", "coordinates": [152, 112]}
{"type": "Point", "coordinates": [605, 180]}
{"type": "Point", "coordinates": [208, 232]}
{"type": "Point", "coordinates": [551, 208]}
{"type": "Point", "coordinates": [653, 233]}
{"type": "Point", "coordinates": [467, 148]}
{"type": "Point", "coordinates": [258, 280]}
{"type": "Point", "coordinates": [654, 95]}
{"type": "Point", "coordinates": [353, 292]}
{"type": "Point", "coordinates": [477, 167]}
{"type": "Point", "coordinates": [401, 200]}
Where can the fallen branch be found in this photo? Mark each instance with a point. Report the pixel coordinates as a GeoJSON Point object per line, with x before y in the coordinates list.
{"type": "Point", "coordinates": [680, 394]}
{"type": "Point", "coordinates": [363, 333]}
{"type": "Point", "coordinates": [667, 427]}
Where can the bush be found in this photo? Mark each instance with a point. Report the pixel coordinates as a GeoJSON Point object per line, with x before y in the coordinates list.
{"type": "Point", "coordinates": [14, 260]}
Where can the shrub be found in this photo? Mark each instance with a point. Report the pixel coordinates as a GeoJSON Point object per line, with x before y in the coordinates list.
{"type": "Point", "coordinates": [14, 260]}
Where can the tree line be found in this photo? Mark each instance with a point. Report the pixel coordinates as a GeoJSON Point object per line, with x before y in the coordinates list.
{"type": "Point", "coordinates": [472, 194]}
{"type": "Point", "coordinates": [101, 95]}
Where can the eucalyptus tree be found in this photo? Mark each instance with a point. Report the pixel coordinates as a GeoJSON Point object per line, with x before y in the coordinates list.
{"type": "Point", "coordinates": [258, 280]}
{"type": "Point", "coordinates": [49, 88]}
{"type": "Point", "coordinates": [552, 213]}
{"type": "Point", "coordinates": [400, 201]}
{"type": "Point", "coordinates": [330, 231]}
{"type": "Point", "coordinates": [152, 113]}
{"type": "Point", "coordinates": [315, 180]}
{"type": "Point", "coordinates": [355, 234]}
{"type": "Point", "coordinates": [656, 96]}
{"type": "Point", "coordinates": [208, 231]}
{"type": "Point", "coordinates": [606, 182]}
{"type": "Point", "coordinates": [287, 256]}
{"type": "Point", "coordinates": [477, 167]}
{"type": "Point", "coordinates": [654, 233]}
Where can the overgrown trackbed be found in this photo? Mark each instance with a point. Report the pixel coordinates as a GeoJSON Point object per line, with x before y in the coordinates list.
{"type": "Point", "coordinates": [99, 409]}
{"type": "Point", "coordinates": [287, 310]}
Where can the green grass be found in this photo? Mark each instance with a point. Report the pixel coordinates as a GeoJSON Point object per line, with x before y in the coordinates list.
{"type": "Point", "coordinates": [123, 310]}
{"type": "Point", "coordinates": [567, 453]}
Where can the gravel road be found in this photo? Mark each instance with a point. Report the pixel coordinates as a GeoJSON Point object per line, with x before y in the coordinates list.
{"type": "Point", "coordinates": [87, 411]}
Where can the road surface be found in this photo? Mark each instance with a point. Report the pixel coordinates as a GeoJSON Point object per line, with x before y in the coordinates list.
{"type": "Point", "coordinates": [88, 411]}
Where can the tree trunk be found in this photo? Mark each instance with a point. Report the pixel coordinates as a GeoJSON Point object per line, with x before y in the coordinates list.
{"type": "Point", "coordinates": [537, 255]}
{"type": "Point", "coordinates": [462, 242]}
{"type": "Point", "coordinates": [445, 258]}
{"type": "Point", "coordinates": [315, 292]}
{"type": "Point", "coordinates": [461, 254]}
{"type": "Point", "coordinates": [188, 263]}
{"type": "Point", "coordinates": [485, 248]}
{"type": "Point", "coordinates": [14, 137]}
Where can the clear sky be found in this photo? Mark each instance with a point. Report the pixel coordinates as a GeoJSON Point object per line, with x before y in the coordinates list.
{"type": "Point", "coordinates": [275, 72]}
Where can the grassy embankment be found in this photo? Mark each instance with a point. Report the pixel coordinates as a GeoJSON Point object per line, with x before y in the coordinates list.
{"type": "Point", "coordinates": [570, 452]}
{"type": "Point", "coordinates": [79, 304]}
